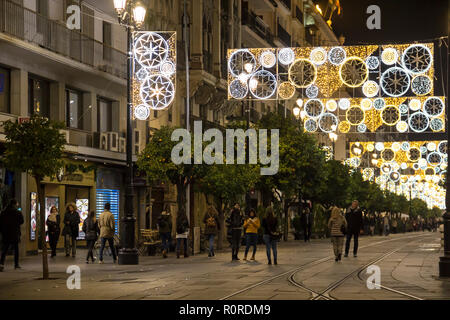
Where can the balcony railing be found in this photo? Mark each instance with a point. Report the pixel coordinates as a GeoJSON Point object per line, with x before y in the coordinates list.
{"type": "Point", "coordinates": [27, 25]}
{"type": "Point", "coordinates": [299, 14]}
{"type": "Point", "coordinates": [283, 35]}
{"type": "Point", "coordinates": [257, 25]}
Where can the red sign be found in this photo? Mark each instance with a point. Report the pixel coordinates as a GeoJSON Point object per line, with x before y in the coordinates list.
{"type": "Point", "coordinates": [24, 119]}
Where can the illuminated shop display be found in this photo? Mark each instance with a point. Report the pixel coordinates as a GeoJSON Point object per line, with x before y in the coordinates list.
{"type": "Point", "coordinates": [319, 72]}
{"type": "Point", "coordinates": [83, 209]}
{"type": "Point", "coordinates": [154, 71]}
{"type": "Point", "coordinates": [33, 215]}
{"type": "Point", "coordinates": [108, 195]}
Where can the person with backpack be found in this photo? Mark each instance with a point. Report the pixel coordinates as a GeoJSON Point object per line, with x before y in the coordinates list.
{"type": "Point", "coordinates": [91, 231]}
{"type": "Point", "coordinates": [251, 226]}
{"type": "Point", "coordinates": [165, 231]}
{"type": "Point", "coordinates": [182, 227]}
{"type": "Point", "coordinates": [211, 221]}
{"type": "Point", "coordinates": [53, 229]}
{"type": "Point", "coordinates": [271, 234]}
{"type": "Point", "coordinates": [10, 221]}
{"type": "Point", "coordinates": [337, 226]}
{"type": "Point", "coordinates": [71, 229]}
{"type": "Point", "coordinates": [235, 224]}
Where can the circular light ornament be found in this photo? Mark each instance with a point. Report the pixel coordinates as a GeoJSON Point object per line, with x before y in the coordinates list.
{"type": "Point", "coordinates": [433, 107]}
{"type": "Point", "coordinates": [318, 56]}
{"type": "Point", "coordinates": [241, 61]}
{"type": "Point", "coordinates": [403, 166]}
{"type": "Point", "coordinates": [336, 55]}
{"type": "Point", "coordinates": [150, 50]}
{"type": "Point", "coordinates": [263, 84]}
{"type": "Point", "coordinates": [331, 105]}
{"type": "Point", "coordinates": [344, 126]}
{"type": "Point", "coordinates": [141, 112]}
{"type": "Point", "coordinates": [327, 122]}
{"type": "Point", "coordinates": [419, 122]}
{"type": "Point", "coordinates": [422, 163]}
{"type": "Point", "coordinates": [142, 74]}
{"type": "Point", "coordinates": [238, 89]}
{"type": "Point", "coordinates": [366, 104]}
{"type": "Point", "coordinates": [417, 58]}
{"type": "Point", "coordinates": [370, 147]}
{"type": "Point", "coordinates": [416, 166]}
{"type": "Point", "coordinates": [372, 62]}
{"type": "Point", "coordinates": [299, 102]}
{"type": "Point", "coordinates": [286, 56]}
{"type": "Point", "coordinates": [286, 90]}
{"type": "Point", "coordinates": [395, 82]}
{"type": "Point", "coordinates": [388, 155]}
{"type": "Point", "coordinates": [311, 125]}
{"type": "Point", "coordinates": [157, 92]}
{"type": "Point", "coordinates": [434, 159]}
{"type": "Point", "coordinates": [389, 56]}
{"type": "Point", "coordinates": [355, 115]}
{"type": "Point", "coordinates": [443, 174]}
{"type": "Point", "coordinates": [378, 103]}
{"type": "Point", "coordinates": [396, 146]}
{"type": "Point", "coordinates": [267, 59]}
{"type": "Point", "coordinates": [167, 68]}
{"type": "Point", "coordinates": [442, 147]}
{"type": "Point", "coordinates": [312, 91]}
{"type": "Point", "coordinates": [390, 115]}
{"type": "Point", "coordinates": [413, 154]}
{"type": "Point", "coordinates": [415, 104]}
{"type": "Point", "coordinates": [370, 88]}
{"type": "Point", "coordinates": [379, 146]}
{"type": "Point", "coordinates": [423, 149]}
{"type": "Point", "coordinates": [344, 104]}
{"type": "Point", "coordinates": [431, 146]}
{"type": "Point", "coordinates": [302, 73]}
{"type": "Point", "coordinates": [436, 124]}
{"type": "Point", "coordinates": [394, 176]}
{"type": "Point", "coordinates": [353, 72]}
{"type": "Point", "coordinates": [405, 146]}
{"type": "Point", "coordinates": [386, 168]}
{"type": "Point", "coordinates": [421, 85]}
{"type": "Point", "coordinates": [403, 108]}
{"type": "Point", "coordinates": [314, 108]}
{"type": "Point", "coordinates": [368, 173]}
{"type": "Point", "coordinates": [362, 128]}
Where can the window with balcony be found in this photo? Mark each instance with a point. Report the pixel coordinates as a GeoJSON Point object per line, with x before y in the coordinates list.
{"type": "Point", "coordinates": [4, 90]}
{"type": "Point", "coordinates": [42, 10]}
{"type": "Point", "coordinates": [104, 117]}
{"type": "Point", "coordinates": [74, 103]}
{"type": "Point", "coordinates": [39, 96]}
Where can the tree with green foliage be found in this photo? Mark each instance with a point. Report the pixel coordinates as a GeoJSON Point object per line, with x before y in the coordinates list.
{"type": "Point", "coordinates": [334, 187]}
{"type": "Point", "coordinates": [35, 147]}
{"type": "Point", "coordinates": [418, 208]}
{"type": "Point", "coordinates": [435, 212]}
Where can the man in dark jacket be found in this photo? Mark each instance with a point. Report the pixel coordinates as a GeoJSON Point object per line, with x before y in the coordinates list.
{"type": "Point", "coordinates": [71, 229]}
{"type": "Point", "coordinates": [10, 221]}
{"type": "Point", "coordinates": [235, 221]}
{"type": "Point", "coordinates": [355, 223]}
{"type": "Point", "coordinates": [307, 220]}
{"type": "Point", "coordinates": [165, 231]}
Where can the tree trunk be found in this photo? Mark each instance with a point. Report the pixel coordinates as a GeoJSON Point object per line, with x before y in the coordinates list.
{"type": "Point", "coordinates": [221, 224]}
{"type": "Point", "coordinates": [41, 209]}
{"type": "Point", "coordinates": [286, 222]}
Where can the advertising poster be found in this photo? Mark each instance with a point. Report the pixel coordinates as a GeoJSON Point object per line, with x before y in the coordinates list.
{"type": "Point", "coordinates": [33, 217]}
{"type": "Point", "coordinates": [83, 210]}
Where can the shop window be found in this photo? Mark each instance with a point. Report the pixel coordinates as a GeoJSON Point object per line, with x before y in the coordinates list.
{"type": "Point", "coordinates": [39, 97]}
{"type": "Point", "coordinates": [74, 103]}
{"type": "Point", "coordinates": [111, 196]}
{"type": "Point", "coordinates": [4, 90]}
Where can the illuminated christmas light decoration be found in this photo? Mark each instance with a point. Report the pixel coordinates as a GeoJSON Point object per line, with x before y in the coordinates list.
{"type": "Point", "coordinates": [344, 103]}
{"type": "Point", "coordinates": [142, 112]}
{"type": "Point", "coordinates": [436, 124]}
{"type": "Point", "coordinates": [417, 58]}
{"type": "Point", "coordinates": [286, 56]}
{"type": "Point", "coordinates": [353, 72]}
{"type": "Point", "coordinates": [389, 56]}
{"type": "Point", "coordinates": [362, 128]}
{"type": "Point", "coordinates": [368, 173]}
{"type": "Point", "coordinates": [318, 56]}
{"type": "Point", "coordinates": [238, 89]}
{"type": "Point", "coordinates": [419, 122]}
{"type": "Point", "coordinates": [403, 108]}
{"type": "Point", "coordinates": [311, 125]}
{"type": "Point", "coordinates": [386, 168]}
{"type": "Point", "coordinates": [336, 55]}
{"type": "Point", "coordinates": [370, 88]}
{"type": "Point", "coordinates": [327, 122]}
{"type": "Point", "coordinates": [314, 108]}
{"type": "Point", "coordinates": [442, 147]}
{"type": "Point", "coordinates": [302, 73]}
{"type": "Point", "coordinates": [396, 146]}
{"type": "Point", "coordinates": [150, 49]}
{"type": "Point", "coordinates": [423, 149]}
{"type": "Point", "coordinates": [415, 104]}
{"type": "Point", "coordinates": [366, 104]}
{"type": "Point", "coordinates": [395, 82]}
{"type": "Point", "coordinates": [379, 146]}
{"type": "Point", "coordinates": [344, 126]}
{"type": "Point", "coordinates": [378, 103]}
{"type": "Point", "coordinates": [416, 166]}
{"type": "Point", "coordinates": [370, 147]}
{"type": "Point", "coordinates": [431, 146]}
{"type": "Point", "coordinates": [434, 159]}
{"type": "Point", "coordinates": [387, 154]}
{"type": "Point", "coordinates": [405, 146]}
{"type": "Point", "coordinates": [299, 102]}
{"type": "Point", "coordinates": [421, 85]}
{"type": "Point", "coordinates": [422, 163]}
{"type": "Point", "coordinates": [433, 106]}
{"type": "Point", "coordinates": [404, 166]}
{"type": "Point", "coordinates": [413, 154]}
{"type": "Point", "coordinates": [167, 68]}
{"type": "Point", "coordinates": [390, 115]}
{"type": "Point", "coordinates": [372, 62]}
{"type": "Point", "coordinates": [262, 84]}
{"type": "Point", "coordinates": [394, 176]}
{"type": "Point", "coordinates": [267, 59]}
{"type": "Point", "coordinates": [355, 115]}
{"type": "Point", "coordinates": [286, 90]}
{"type": "Point", "coordinates": [312, 91]}
{"type": "Point", "coordinates": [157, 92]}
{"type": "Point", "coordinates": [331, 105]}
{"type": "Point", "coordinates": [241, 60]}
{"type": "Point", "coordinates": [142, 74]}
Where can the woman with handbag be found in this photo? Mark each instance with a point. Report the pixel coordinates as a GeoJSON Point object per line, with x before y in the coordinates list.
{"type": "Point", "coordinates": [271, 234]}
{"type": "Point", "coordinates": [337, 226]}
{"type": "Point", "coordinates": [91, 231]}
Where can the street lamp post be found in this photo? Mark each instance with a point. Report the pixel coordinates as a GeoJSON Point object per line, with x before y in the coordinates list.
{"type": "Point", "coordinates": [333, 137]}
{"type": "Point", "coordinates": [131, 15]}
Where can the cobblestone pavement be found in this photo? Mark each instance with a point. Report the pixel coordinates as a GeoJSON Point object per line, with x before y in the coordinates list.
{"type": "Point", "coordinates": [408, 265]}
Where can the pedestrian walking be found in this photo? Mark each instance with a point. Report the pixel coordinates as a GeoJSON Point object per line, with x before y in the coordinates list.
{"type": "Point", "coordinates": [394, 225]}
{"type": "Point", "coordinates": [107, 227]}
{"type": "Point", "coordinates": [10, 221]}
{"type": "Point", "coordinates": [71, 229]}
{"type": "Point", "coordinates": [372, 225]}
{"type": "Point", "coordinates": [386, 225]}
{"type": "Point", "coordinates": [354, 221]}
{"type": "Point", "coordinates": [91, 231]}
{"type": "Point", "coordinates": [251, 226]}
{"type": "Point", "coordinates": [338, 227]}
{"type": "Point", "coordinates": [235, 223]}
{"type": "Point", "coordinates": [182, 234]}
{"type": "Point", "coordinates": [53, 229]}
{"type": "Point", "coordinates": [307, 224]}
{"type": "Point", "coordinates": [165, 231]}
{"type": "Point", "coordinates": [271, 235]}
{"type": "Point", "coordinates": [211, 221]}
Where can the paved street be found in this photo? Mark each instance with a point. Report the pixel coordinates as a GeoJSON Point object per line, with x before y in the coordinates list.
{"type": "Point", "coordinates": [408, 262]}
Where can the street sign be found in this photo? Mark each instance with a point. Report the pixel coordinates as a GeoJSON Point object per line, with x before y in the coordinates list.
{"type": "Point", "coordinates": [23, 119]}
